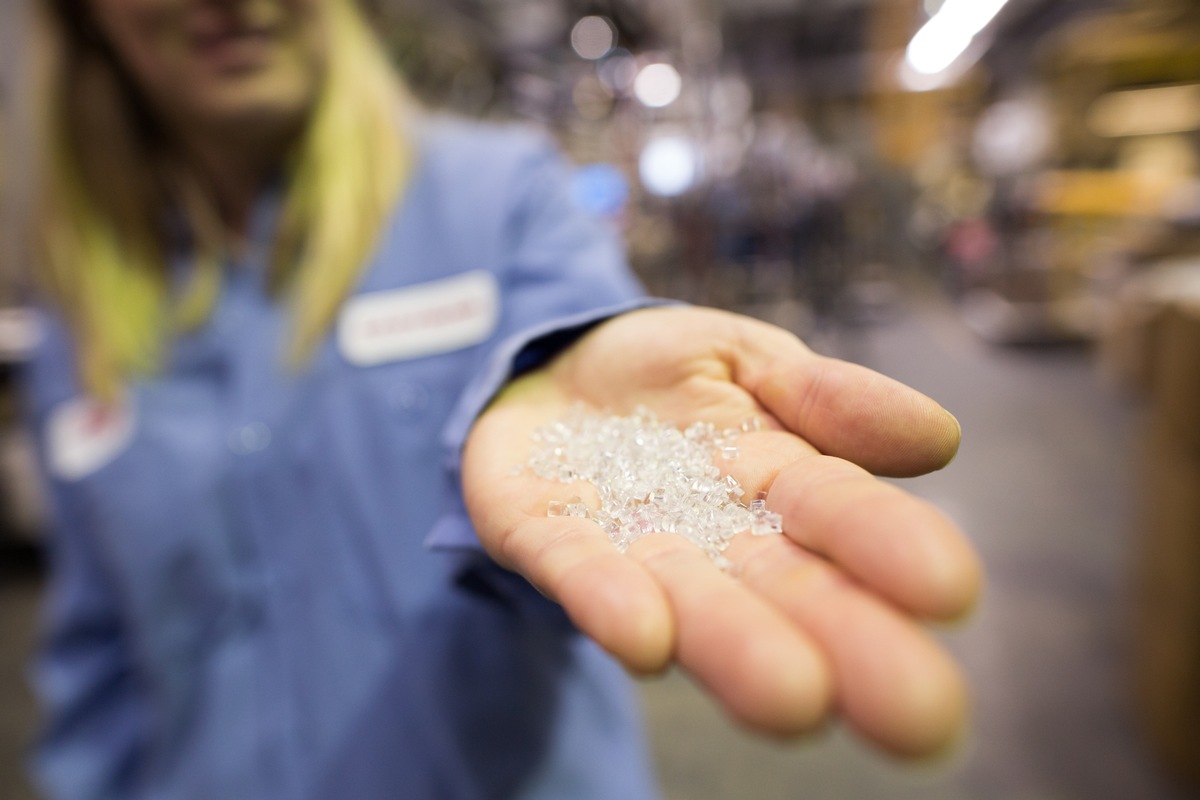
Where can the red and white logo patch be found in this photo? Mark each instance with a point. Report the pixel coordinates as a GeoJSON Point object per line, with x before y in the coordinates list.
{"type": "Point", "coordinates": [82, 435]}
{"type": "Point", "coordinates": [422, 320]}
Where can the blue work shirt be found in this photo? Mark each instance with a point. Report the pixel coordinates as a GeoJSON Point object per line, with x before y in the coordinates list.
{"type": "Point", "coordinates": [264, 581]}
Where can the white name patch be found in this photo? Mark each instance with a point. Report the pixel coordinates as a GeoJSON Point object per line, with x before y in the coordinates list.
{"type": "Point", "coordinates": [82, 435]}
{"type": "Point", "coordinates": [416, 321]}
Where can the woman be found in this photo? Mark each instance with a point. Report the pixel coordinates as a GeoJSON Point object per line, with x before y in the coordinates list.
{"type": "Point", "coordinates": [291, 556]}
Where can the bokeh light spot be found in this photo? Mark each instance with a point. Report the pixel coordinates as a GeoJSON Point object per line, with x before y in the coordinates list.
{"type": "Point", "coordinates": [593, 37]}
{"type": "Point", "coordinates": [657, 85]}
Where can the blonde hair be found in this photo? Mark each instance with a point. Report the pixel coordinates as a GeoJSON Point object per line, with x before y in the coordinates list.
{"type": "Point", "coordinates": [100, 224]}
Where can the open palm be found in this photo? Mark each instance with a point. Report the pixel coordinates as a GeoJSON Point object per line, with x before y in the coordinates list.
{"type": "Point", "coordinates": [826, 618]}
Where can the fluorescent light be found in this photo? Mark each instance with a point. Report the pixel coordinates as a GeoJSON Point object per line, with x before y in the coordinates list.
{"type": "Point", "coordinates": [948, 34]}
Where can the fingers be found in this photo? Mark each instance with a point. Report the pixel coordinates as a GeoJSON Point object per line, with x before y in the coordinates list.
{"type": "Point", "coordinates": [901, 547]}
{"type": "Point", "coordinates": [892, 683]}
{"type": "Point", "coordinates": [668, 602]}
{"type": "Point", "coordinates": [844, 409]}
{"type": "Point", "coordinates": [765, 672]}
{"type": "Point", "coordinates": [665, 602]}
{"type": "Point", "coordinates": [611, 598]}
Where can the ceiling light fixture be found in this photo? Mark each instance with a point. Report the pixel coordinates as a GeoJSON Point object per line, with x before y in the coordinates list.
{"type": "Point", "coordinates": [945, 38]}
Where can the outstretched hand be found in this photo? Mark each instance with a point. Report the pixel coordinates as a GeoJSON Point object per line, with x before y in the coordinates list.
{"type": "Point", "coordinates": [825, 618]}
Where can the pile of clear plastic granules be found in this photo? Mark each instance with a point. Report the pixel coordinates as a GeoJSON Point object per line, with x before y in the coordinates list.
{"type": "Point", "coordinates": [651, 477]}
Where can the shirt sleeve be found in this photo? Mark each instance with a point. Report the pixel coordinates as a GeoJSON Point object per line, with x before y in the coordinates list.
{"type": "Point", "coordinates": [96, 723]}
{"type": "Point", "coordinates": [566, 273]}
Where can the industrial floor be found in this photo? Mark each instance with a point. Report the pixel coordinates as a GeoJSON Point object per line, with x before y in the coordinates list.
{"type": "Point", "coordinates": [1043, 485]}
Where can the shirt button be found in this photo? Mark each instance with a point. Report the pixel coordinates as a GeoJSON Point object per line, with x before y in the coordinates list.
{"type": "Point", "coordinates": [248, 439]}
{"type": "Point", "coordinates": [408, 399]}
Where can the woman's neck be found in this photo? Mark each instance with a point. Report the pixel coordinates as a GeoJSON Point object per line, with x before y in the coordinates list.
{"type": "Point", "coordinates": [232, 178]}
{"type": "Point", "coordinates": [231, 169]}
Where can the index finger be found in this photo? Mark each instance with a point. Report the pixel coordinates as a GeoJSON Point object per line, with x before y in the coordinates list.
{"type": "Point", "coordinates": [844, 409]}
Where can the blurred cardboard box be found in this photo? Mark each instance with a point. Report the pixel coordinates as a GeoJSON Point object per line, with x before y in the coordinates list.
{"type": "Point", "coordinates": [1167, 554]}
{"type": "Point", "coordinates": [1131, 346]}
{"type": "Point", "coordinates": [1166, 692]}
{"type": "Point", "coordinates": [1166, 612]}
{"type": "Point", "coordinates": [1166, 658]}
{"type": "Point", "coordinates": [1175, 378]}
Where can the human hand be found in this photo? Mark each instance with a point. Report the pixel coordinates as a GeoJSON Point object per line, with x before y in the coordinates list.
{"type": "Point", "coordinates": [825, 618]}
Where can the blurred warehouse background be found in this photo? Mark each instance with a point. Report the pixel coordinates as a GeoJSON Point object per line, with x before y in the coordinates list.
{"type": "Point", "coordinates": [997, 202]}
